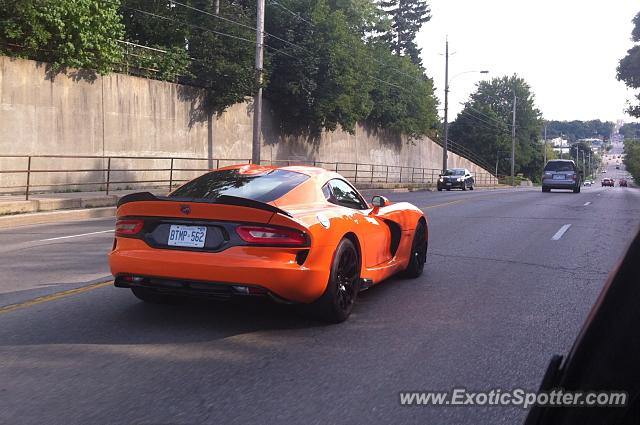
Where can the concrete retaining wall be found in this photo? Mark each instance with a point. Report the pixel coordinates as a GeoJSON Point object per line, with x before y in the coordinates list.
{"type": "Point", "coordinates": [121, 115]}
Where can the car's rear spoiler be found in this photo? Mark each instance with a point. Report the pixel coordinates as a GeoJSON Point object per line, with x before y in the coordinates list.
{"type": "Point", "coordinates": [222, 200]}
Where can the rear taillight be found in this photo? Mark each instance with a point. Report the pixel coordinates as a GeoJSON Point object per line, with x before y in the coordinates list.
{"type": "Point", "coordinates": [129, 227]}
{"type": "Point", "coordinates": [271, 235]}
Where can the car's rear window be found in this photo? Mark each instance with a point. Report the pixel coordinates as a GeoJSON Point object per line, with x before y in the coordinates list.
{"type": "Point", "coordinates": [559, 166]}
{"type": "Point", "coordinates": [263, 187]}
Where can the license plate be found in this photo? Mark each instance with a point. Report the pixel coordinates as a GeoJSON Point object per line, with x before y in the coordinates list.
{"type": "Point", "coordinates": [558, 176]}
{"type": "Point", "coordinates": [448, 183]}
{"type": "Point", "coordinates": [187, 236]}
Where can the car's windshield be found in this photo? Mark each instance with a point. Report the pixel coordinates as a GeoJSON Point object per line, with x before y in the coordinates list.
{"type": "Point", "coordinates": [263, 187]}
{"type": "Point", "coordinates": [454, 172]}
{"type": "Point", "coordinates": [559, 166]}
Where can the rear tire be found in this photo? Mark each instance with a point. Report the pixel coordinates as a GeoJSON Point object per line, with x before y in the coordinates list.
{"type": "Point", "coordinates": [335, 305]}
{"type": "Point", "coordinates": [153, 297]}
{"type": "Point", "coordinates": [576, 190]}
{"type": "Point", "coordinates": [546, 189]}
{"type": "Point", "coordinates": [418, 253]}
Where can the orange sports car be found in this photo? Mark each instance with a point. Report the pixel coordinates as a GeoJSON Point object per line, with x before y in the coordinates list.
{"type": "Point", "coordinates": [296, 234]}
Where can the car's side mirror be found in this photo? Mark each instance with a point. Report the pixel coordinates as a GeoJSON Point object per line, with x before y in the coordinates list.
{"type": "Point", "coordinates": [380, 201]}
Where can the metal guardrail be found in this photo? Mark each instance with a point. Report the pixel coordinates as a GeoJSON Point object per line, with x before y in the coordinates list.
{"type": "Point", "coordinates": [173, 169]}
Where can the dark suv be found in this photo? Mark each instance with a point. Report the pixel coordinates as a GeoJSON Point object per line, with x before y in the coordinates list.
{"type": "Point", "coordinates": [561, 174]}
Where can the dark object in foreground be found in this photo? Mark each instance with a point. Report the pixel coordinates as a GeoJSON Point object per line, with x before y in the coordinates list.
{"type": "Point", "coordinates": [605, 356]}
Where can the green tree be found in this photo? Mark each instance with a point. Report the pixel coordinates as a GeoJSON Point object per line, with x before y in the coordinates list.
{"type": "Point", "coordinates": [320, 79]}
{"type": "Point", "coordinates": [407, 18]}
{"type": "Point", "coordinates": [331, 71]}
{"type": "Point", "coordinates": [632, 158]}
{"type": "Point", "coordinates": [213, 52]}
{"type": "Point", "coordinates": [407, 104]}
{"type": "Point", "coordinates": [575, 130]}
{"type": "Point", "coordinates": [64, 33]}
{"type": "Point", "coordinates": [629, 67]}
{"type": "Point", "coordinates": [484, 125]}
{"type": "Point", "coordinates": [630, 130]}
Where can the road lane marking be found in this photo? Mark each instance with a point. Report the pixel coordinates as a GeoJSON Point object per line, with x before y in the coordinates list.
{"type": "Point", "coordinates": [444, 204]}
{"type": "Point", "coordinates": [52, 297]}
{"type": "Point", "coordinates": [587, 203]}
{"type": "Point", "coordinates": [74, 236]}
{"type": "Point", "coordinates": [560, 232]}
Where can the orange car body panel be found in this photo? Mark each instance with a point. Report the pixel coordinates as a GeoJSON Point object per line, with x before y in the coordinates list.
{"type": "Point", "coordinates": [275, 268]}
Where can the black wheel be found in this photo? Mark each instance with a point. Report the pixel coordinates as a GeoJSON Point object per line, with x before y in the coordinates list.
{"type": "Point", "coordinates": [336, 303]}
{"type": "Point", "coordinates": [471, 187]}
{"type": "Point", "coordinates": [439, 189]}
{"type": "Point", "coordinates": [448, 189]}
{"type": "Point", "coordinates": [576, 190]}
{"type": "Point", "coordinates": [546, 189]}
{"type": "Point", "coordinates": [153, 297]}
{"type": "Point", "coordinates": [418, 253]}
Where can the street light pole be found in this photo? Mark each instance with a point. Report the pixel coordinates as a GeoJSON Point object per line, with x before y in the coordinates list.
{"type": "Point", "coordinates": [257, 99]}
{"type": "Point", "coordinates": [446, 108]}
{"type": "Point", "coordinates": [513, 141]}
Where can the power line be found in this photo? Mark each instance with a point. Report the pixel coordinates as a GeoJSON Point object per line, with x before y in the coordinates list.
{"type": "Point", "coordinates": [195, 9]}
{"type": "Point", "coordinates": [489, 125]}
{"type": "Point", "coordinates": [177, 21]}
{"type": "Point", "coordinates": [222, 18]}
{"type": "Point", "coordinates": [297, 15]}
{"type": "Point", "coordinates": [166, 18]}
{"type": "Point", "coordinates": [489, 117]}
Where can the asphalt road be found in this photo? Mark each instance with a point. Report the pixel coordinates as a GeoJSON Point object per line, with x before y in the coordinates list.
{"type": "Point", "coordinates": [498, 297]}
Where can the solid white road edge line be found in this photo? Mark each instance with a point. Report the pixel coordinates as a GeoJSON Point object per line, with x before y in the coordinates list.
{"type": "Point", "coordinates": [75, 236]}
{"type": "Point", "coordinates": [560, 232]}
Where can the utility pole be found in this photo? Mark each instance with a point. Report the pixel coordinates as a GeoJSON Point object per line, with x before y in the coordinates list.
{"type": "Point", "coordinates": [257, 99]}
{"type": "Point", "coordinates": [513, 141]}
{"type": "Point", "coordinates": [545, 144]}
{"type": "Point", "coordinates": [446, 107]}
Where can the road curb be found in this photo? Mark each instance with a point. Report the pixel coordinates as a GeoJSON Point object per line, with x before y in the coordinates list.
{"type": "Point", "coordinates": [55, 216]}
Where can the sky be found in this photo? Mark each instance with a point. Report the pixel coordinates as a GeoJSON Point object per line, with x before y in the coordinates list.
{"type": "Point", "coordinates": [566, 50]}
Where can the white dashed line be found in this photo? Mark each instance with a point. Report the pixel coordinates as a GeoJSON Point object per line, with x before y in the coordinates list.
{"type": "Point", "coordinates": [74, 236]}
{"type": "Point", "coordinates": [560, 232]}
{"type": "Point", "coordinates": [587, 203]}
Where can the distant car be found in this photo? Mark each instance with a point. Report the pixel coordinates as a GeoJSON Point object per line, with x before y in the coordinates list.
{"type": "Point", "coordinates": [604, 171]}
{"type": "Point", "coordinates": [587, 183]}
{"type": "Point", "coordinates": [622, 183]}
{"type": "Point", "coordinates": [607, 182]}
{"type": "Point", "coordinates": [460, 178]}
{"type": "Point", "coordinates": [561, 174]}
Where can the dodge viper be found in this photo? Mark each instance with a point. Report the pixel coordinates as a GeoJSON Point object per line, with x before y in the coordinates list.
{"type": "Point", "coordinates": [300, 235]}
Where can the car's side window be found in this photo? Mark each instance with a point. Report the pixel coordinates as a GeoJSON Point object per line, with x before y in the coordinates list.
{"type": "Point", "coordinates": [326, 191]}
{"type": "Point", "coordinates": [344, 195]}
